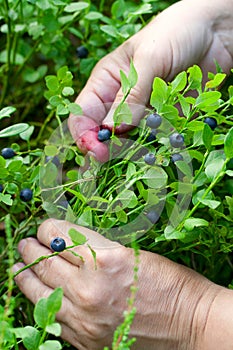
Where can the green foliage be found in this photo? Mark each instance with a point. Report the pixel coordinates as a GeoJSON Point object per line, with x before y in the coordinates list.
{"type": "Point", "coordinates": [45, 310]}
{"type": "Point", "coordinates": [40, 77]}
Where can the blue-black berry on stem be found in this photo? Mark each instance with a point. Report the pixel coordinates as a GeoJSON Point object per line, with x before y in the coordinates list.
{"type": "Point", "coordinates": [149, 158]}
{"type": "Point", "coordinates": [176, 140]}
{"type": "Point", "coordinates": [82, 52]}
{"type": "Point", "coordinates": [153, 121]}
{"type": "Point", "coordinates": [58, 244]}
{"type": "Point", "coordinates": [211, 122]}
{"type": "Point", "coordinates": [26, 194]}
{"type": "Point", "coordinates": [7, 153]}
{"type": "Point", "coordinates": [176, 156]}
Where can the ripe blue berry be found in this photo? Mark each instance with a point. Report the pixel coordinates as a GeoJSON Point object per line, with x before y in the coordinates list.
{"type": "Point", "coordinates": [104, 135]}
{"type": "Point", "coordinates": [153, 121]}
{"type": "Point", "coordinates": [152, 135]}
{"type": "Point", "coordinates": [1, 188]}
{"type": "Point", "coordinates": [82, 52]}
{"type": "Point", "coordinates": [153, 216]}
{"type": "Point", "coordinates": [176, 156]}
{"type": "Point", "coordinates": [149, 158]}
{"type": "Point", "coordinates": [55, 160]}
{"type": "Point", "coordinates": [176, 140]}
{"type": "Point", "coordinates": [8, 153]}
{"type": "Point", "coordinates": [26, 194]}
{"type": "Point", "coordinates": [58, 244]}
{"type": "Point", "coordinates": [211, 122]}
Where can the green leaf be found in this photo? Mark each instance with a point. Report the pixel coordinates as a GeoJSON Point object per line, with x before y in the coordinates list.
{"type": "Point", "coordinates": [121, 215]}
{"type": "Point", "coordinates": [6, 198]}
{"type": "Point", "coordinates": [41, 314]}
{"type": "Point", "coordinates": [185, 106]}
{"type": "Point", "coordinates": [211, 203]}
{"type": "Point", "coordinates": [228, 144]}
{"type": "Point", "coordinates": [93, 15]}
{"type": "Point", "coordinates": [85, 219]}
{"type": "Point", "coordinates": [67, 91]}
{"type": "Point", "coordinates": [131, 170]}
{"type": "Point", "coordinates": [185, 168]}
{"type": "Point", "coordinates": [208, 101]}
{"type": "Point", "coordinates": [195, 78]}
{"type": "Point", "coordinates": [110, 30]}
{"type": "Point", "coordinates": [14, 130]}
{"type": "Point", "coordinates": [25, 135]}
{"type": "Point", "coordinates": [207, 136]}
{"type": "Point", "coordinates": [155, 177]}
{"type": "Point", "coordinates": [77, 237]}
{"type": "Point", "coordinates": [159, 94]}
{"type": "Point", "coordinates": [170, 113]}
{"type": "Point", "coordinates": [62, 110]}
{"type": "Point", "coordinates": [76, 6]}
{"type": "Point", "coordinates": [15, 165]}
{"type": "Point", "coordinates": [93, 253]}
{"type": "Point", "coordinates": [6, 112]}
{"type": "Point", "coordinates": [133, 76]}
{"type": "Point", "coordinates": [127, 198]}
{"type": "Point", "coordinates": [62, 72]}
{"type": "Point", "coordinates": [52, 82]}
{"type": "Point", "coordinates": [122, 114]}
{"type": "Point", "coordinates": [179, 83]}
{"type": "Point", "coordinates": [214, 168]}
{"type": "Point", "coordinates": [75, 109]}
{"type": "Point", "coordinates": [125, 85]}
{"type": "Point", "coordinates": [50, 345]}
{"type": "Point", "coordinates": [171, 233]}
{"type": "Point", "coordinates": [29, 335]}
{"type": "Point", "coordinates": [54, 328]}
{"type": "Point", "coordinates": [50, 150]}
{"type": "Point", "coordinates": [190, 223]}
{"type": "Point", "coordinates": [216, 81]}
{"type": "Point", "coordinates": [54, 301]}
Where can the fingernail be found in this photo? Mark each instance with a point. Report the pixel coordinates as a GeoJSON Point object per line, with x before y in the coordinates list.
{"type": "Point", "coordinates": [21, 245]}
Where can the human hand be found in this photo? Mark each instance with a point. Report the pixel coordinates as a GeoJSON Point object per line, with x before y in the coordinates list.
{"type": "Point", "coordinates": [186, 33]}
{"type": "Point", "coordinates": [172, 301]}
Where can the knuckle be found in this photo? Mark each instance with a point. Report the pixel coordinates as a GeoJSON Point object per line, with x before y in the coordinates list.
{"type": "Point", "coordinates": [43, 269]}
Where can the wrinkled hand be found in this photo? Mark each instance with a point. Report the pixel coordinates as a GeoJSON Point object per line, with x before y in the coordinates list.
{"type": "Point", "coordinates": [186, 33]}
{"type": "Point", "coordinates": [172, 301]}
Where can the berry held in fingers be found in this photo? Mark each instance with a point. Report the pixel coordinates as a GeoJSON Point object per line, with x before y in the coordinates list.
{"type": "Point", "coordinates": [176, 140]}
{"type": "Point", "coordinates": [7, 153]}
{"type": "Point", "coordinates": [104, 135]}
{"type": "Point", "coordinates": [58, 244]}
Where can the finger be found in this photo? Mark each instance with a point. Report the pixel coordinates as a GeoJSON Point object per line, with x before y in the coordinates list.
{"type": "Point", "coordinates": [95, 100]}
{"type": "Point", "coordinates": [52, 272]}
{"type": "Point", "coordinates": [51, 228]}
{"type": "Point", "coordinates": [73, 336]}
{"type": "Point", "coordinates": [34, 289]}
{"type": "Point", "coordinates": [85, 134]}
